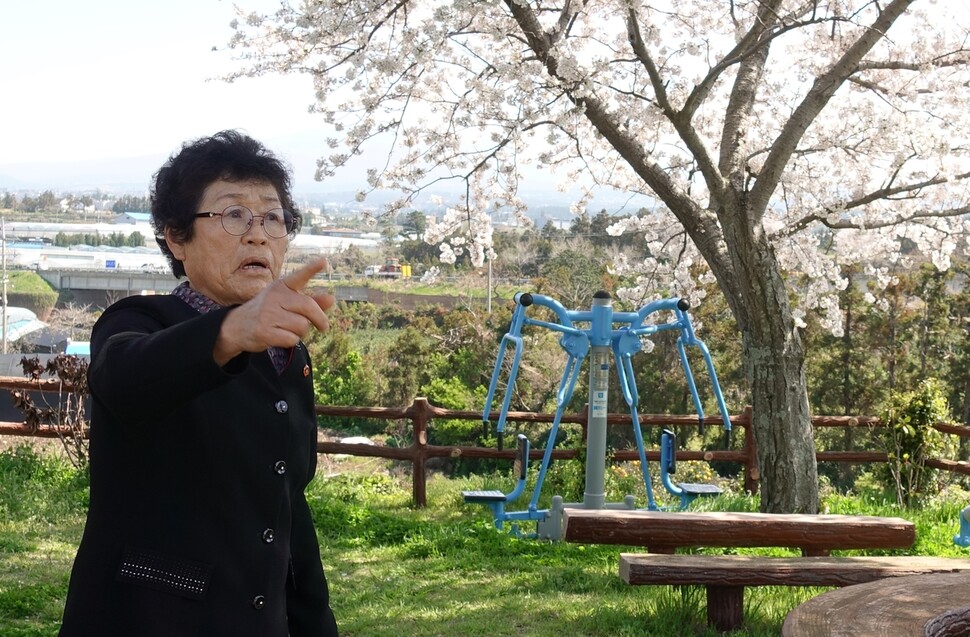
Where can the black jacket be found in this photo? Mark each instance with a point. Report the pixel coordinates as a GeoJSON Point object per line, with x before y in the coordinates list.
{"type": "Point", "coordinates": [198, 525]}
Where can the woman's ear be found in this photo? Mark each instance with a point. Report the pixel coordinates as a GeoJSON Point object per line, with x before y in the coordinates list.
{"type": "Point", "coordinates": [178, 250]}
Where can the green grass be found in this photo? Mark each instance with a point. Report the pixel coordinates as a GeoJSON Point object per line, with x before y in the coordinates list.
{"type": "Point", "coordinates": [42, 503]}
{"type": "Point", "coordinates": [27, 282]}
{"type": "Point", "coordinates": [475, 287]}
{"type": "Point", "coordinates": [397, 571]}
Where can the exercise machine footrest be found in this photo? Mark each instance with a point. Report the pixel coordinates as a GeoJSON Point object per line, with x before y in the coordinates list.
{"type": "Point", "coordinates": [699, 489]}
{"type": "Point", "coordinates": [483, 496]}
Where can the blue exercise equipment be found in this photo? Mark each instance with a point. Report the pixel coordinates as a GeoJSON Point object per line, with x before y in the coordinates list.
{"type": "Point", "coordinates": [963, 538]}
{"type": "Point", "coordinates": [608, 337]}
{"type": "Point", "coordinates": [686, 491]}
{"type": "Point", "coordinates": [496, 500]}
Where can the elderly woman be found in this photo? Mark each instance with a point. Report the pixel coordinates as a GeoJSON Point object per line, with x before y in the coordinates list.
{"type": "Point", "coordinates": [203, 433]}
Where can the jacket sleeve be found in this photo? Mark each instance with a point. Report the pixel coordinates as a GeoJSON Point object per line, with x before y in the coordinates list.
{"type": "Point", "coordinates": [307, 594]}
{"type": "Point", "coordinates": [145, 361]}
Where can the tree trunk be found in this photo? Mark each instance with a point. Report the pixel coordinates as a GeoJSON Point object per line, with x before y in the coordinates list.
{"type": "Point", "coordinates": [782, 423]}
{"type": "Point", "coordinates": [774, 359]}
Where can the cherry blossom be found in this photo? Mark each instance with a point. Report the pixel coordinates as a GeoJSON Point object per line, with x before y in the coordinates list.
{"type": "Point", "coordinates": [773, 136]}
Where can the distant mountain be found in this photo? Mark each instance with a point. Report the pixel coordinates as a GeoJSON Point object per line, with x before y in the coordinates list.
{"type": "Point", "coordinates": [11, 183]}
{"type": "Point", "coordinates": [121, 175]}
{"type": "Point", "coordinates": [132, 175]}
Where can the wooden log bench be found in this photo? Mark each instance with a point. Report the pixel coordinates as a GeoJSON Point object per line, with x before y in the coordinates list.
{"type": "Point", "coordinates": [663, 532]}
{"type": "Point", "coordinates": [915, 606]}
{"type": "Point", "coordinates": [726, 576]}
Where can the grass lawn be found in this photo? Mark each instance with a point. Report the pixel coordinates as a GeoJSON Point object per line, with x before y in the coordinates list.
{"type": "Point", "coordinates": [396, 571]}
{"type": "Point", "coordinates": [467, 286]}
{"type": "Point", "coordinates": [27, 282]}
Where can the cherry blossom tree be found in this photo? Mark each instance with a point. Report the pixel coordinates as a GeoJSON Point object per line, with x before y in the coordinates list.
{"type": "Point", "coordinates": [777, 139]}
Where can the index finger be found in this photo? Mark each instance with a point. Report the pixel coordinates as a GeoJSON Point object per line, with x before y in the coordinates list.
{"type": "Point", "coordinates": [297, 280]}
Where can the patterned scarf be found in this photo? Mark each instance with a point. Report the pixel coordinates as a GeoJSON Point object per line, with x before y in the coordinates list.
{"type": "Point", "coordinates": [202, 304]}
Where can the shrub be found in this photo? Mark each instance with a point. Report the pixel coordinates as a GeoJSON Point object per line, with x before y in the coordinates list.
{"type": "Point", "coordinates": [450, 393]}
{"type": "Point", "coordinates": [65, 416]}
{"type": "Point", "coordinates": [910, 439]}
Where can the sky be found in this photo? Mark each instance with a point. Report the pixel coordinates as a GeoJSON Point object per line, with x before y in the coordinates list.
{"type": "Point", "coordinates": [98, 93]}
{"type": "Point", "coordinates": [99, 80]}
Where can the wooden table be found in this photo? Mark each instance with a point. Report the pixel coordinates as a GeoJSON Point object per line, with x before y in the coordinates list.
{"type": "Point", "coordinates": [915, 605]}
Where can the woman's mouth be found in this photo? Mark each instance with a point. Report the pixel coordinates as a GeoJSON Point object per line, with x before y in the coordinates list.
{"type": "Point", "coordinates": [254, 265]}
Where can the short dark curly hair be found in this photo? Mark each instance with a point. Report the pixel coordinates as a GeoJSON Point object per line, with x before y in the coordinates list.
{"type": "Point", "coordinates": [180, 184]}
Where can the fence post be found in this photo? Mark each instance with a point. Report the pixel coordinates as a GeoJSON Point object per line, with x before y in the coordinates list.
{"type": "Point", "coordinates": [752, 474]}
{"type": "Point", "coordinates": [420, 413]}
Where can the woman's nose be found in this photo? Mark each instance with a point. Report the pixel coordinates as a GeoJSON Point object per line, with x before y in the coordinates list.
{"type": "Point", "coordinates": [256, 236]}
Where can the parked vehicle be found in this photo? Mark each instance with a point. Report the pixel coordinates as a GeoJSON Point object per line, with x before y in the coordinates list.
{"type": "Point", "coordinates": [392, 269]}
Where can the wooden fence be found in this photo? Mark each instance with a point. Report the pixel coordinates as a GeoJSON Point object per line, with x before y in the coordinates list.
{"type": "Point", "coordinates": [421, 413]}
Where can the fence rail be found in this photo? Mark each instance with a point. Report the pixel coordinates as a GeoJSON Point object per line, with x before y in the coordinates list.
{"type": "Point", "coordinates": [421, 413]}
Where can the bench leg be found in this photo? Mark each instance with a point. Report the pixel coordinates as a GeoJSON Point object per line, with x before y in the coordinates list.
{"type": "Point", "coordinates": [725, 607]}
{"type": "Point", "coordinates": [815, 552]}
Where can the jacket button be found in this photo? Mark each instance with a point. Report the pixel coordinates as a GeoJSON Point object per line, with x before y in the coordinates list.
{"type": "Point", "coordinates": [268, 536]}
{"type": "Point", "coordinates": [258, 602]}
{"type": "Point", "coordinates": [280, 467]}
{"type": "Point", "coordinates": [282, 407]}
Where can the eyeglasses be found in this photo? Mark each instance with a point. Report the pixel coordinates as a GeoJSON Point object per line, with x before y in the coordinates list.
{"type": "Point", "coordinates": [237, 220]}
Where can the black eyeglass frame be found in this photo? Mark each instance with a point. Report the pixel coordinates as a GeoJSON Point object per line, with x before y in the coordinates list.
{"type": "Point", "coordinates": [290, 222]}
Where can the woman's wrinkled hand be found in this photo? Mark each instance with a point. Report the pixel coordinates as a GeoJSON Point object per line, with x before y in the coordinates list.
{"type": "Point", "coordinates": [279, 316]}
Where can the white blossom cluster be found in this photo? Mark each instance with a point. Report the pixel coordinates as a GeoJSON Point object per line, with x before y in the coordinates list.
{"type": "Point", "coordinates": [658, 98]}
{"type": "Point", "coordinates": [430, 275]}
{"type": "Point", "coordinates": [669, 269]}
{"type": "Point", "coordinates": [462, 231]}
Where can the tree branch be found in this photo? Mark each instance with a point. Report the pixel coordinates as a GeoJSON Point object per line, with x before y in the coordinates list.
{"type": "Point", "coordinates": [817, 98]}
{"type": "Point", "coordinates": [750, 71]}
{"type": "Point", "coordinates": [702, 228]}
{"type": "Point", "coordinates": [679, 119]}
{"type": "Point", "coordinates": [908, 191]}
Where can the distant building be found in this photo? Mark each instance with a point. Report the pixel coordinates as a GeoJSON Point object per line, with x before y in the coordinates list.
{"type": "Point", "coordinates": [331, 231]}
{"type": "Point", "coordinates": [134, 217]}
